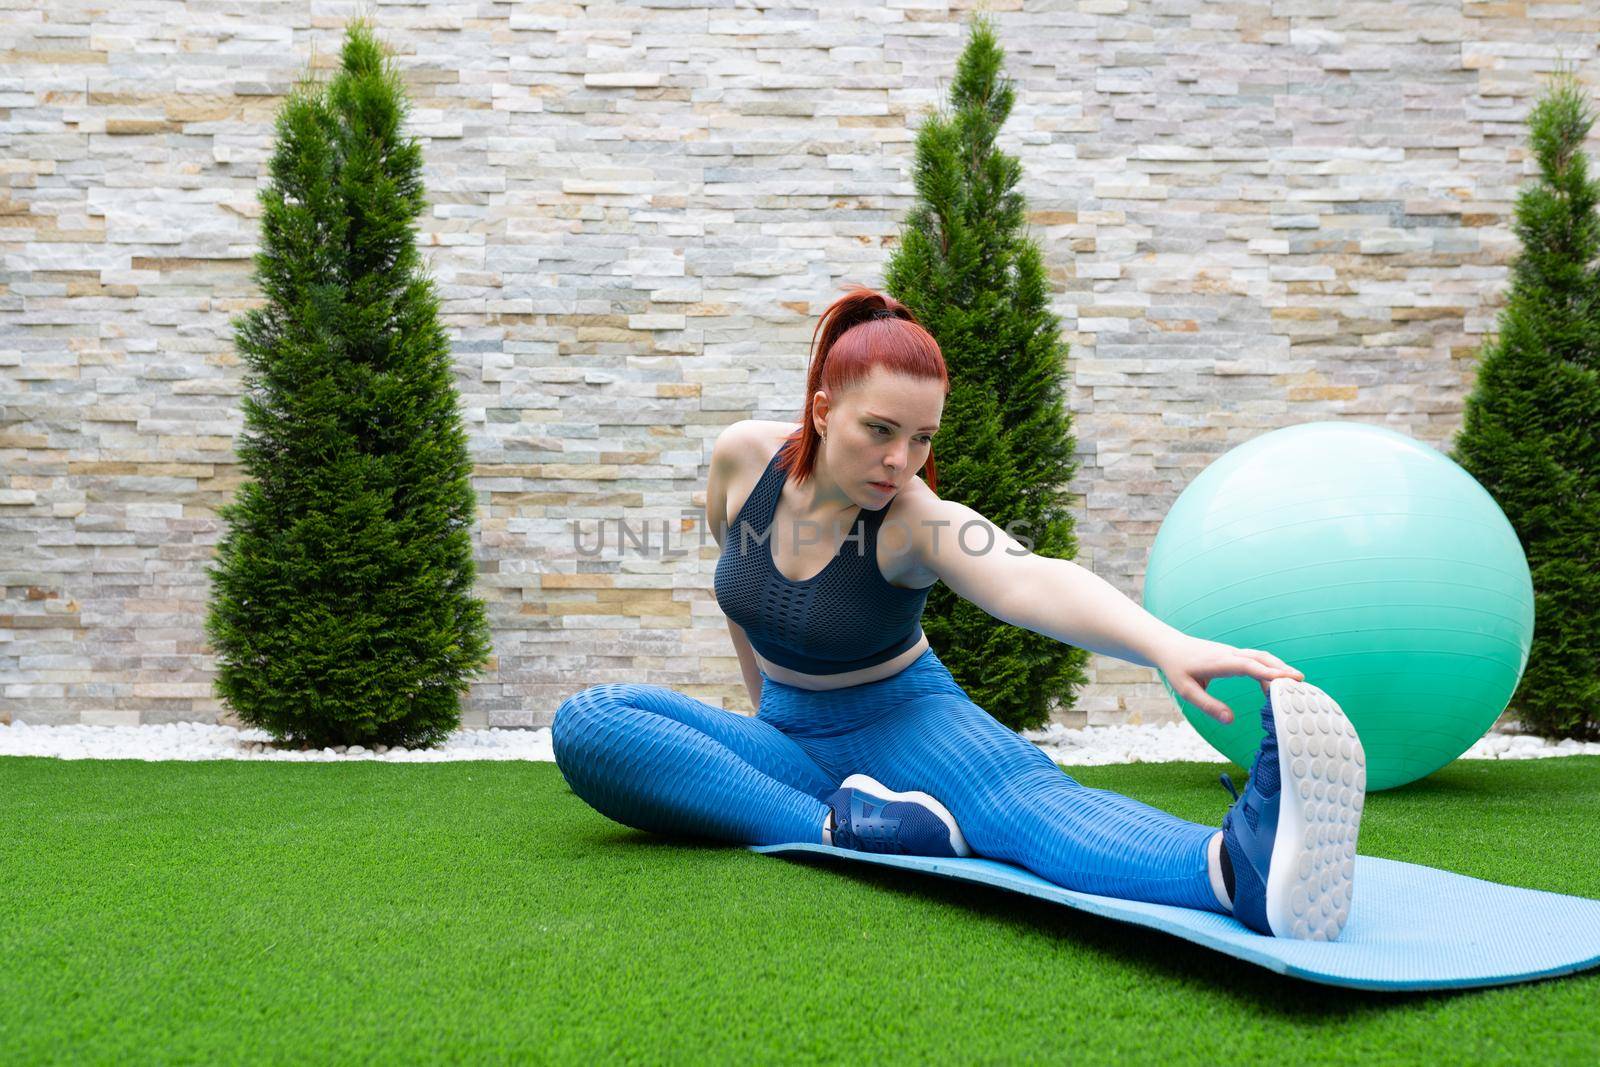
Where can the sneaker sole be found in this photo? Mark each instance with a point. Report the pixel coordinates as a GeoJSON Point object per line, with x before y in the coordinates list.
{"type": "Point", "coordinates": [868, 784]}
{"type": "Point", "coordinates": [1323, 773]}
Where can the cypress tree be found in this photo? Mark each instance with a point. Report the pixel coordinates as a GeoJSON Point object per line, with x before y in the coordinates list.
{"type": "Point", "coordinates": [1531, 427]}
{"type": "Point", "coordinates": [342, 608]}
{"type": "Point", "coordinates": [975, 280]}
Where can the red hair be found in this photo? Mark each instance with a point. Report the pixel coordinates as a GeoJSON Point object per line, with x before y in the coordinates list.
{"type": "Point", "coordinates": [861, 330]}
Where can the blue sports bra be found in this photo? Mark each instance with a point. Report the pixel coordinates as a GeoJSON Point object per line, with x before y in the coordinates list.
{"type": "Point", "coordinates": [820, 625]}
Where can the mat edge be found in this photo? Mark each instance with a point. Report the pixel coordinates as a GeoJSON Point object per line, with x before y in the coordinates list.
{"type": "Point", "coordinates": [1088, 902]}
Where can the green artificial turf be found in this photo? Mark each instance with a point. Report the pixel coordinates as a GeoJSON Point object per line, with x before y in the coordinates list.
{"type": "Point", "coordinates": [466, 912]}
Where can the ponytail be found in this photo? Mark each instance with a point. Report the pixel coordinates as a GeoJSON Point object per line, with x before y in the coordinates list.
{"type": "Point", "coordinates": [859, 331]}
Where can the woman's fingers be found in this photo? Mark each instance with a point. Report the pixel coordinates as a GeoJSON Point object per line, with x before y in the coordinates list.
{"type": "Point", "coordinates": [1196, 695]}
{"type": "Point", "coordinates": [1274, 662]}
{"type": "Point", "coordinates": [1263, 673]}
{"type": "Point", "coordinates": [1249, 662]}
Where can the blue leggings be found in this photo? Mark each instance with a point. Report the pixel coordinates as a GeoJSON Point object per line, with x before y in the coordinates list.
{"type": "Point", "coordinates": [654, 759]}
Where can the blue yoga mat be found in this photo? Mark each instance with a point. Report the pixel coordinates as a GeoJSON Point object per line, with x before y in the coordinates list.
{"type": "Point", "coordinates": [1410, 926]}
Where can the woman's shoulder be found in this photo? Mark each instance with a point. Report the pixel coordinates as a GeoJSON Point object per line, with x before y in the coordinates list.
{"type": "Point", "coordinates": [771, 432]}
{"type": "Point", "coordinates": [752, 441]}
{"type": "Point", "coordinates": [741, 452]}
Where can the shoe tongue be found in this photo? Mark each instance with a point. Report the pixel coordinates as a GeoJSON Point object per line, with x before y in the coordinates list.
{"type": "Point", "coordinates": [1264, 772]}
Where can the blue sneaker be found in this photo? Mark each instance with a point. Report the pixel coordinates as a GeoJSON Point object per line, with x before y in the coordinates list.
{"type": "Point", "coordinates": [1292, 837]}
{"type": "Point", "coordinates": [868, 817]}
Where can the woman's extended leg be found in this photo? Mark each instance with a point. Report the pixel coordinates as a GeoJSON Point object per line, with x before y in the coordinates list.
{"type": "Point", "coordinates": [1013, 803]}
{"type": "Point", "coordinates": [655, 759]}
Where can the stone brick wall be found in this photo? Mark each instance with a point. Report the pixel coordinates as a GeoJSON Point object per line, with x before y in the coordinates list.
{"type": "Point", "coordinates": [1253, 214]}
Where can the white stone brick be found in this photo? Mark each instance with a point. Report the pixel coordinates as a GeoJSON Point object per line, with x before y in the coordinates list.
{"type": "Point", "coordinates": [623, 79]}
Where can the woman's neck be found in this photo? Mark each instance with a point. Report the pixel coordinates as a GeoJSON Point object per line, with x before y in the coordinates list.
{"type": "Point", "coordinates": [819, 497]}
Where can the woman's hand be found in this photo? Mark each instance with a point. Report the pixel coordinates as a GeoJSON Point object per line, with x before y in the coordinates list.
{"type": "Point", "coordinates": [1191, 664]}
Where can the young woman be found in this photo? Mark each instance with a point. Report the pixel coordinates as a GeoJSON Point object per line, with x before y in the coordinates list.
{"type": "Point", "coordinates": [863, 740]}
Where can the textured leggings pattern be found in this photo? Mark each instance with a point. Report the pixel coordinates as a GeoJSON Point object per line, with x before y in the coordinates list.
{"type": "Point", "coordinates": [653, 759]}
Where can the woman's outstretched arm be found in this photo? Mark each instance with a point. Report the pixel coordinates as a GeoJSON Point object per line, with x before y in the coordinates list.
{"type": "Point", "coordinates": [1060, 599]}
{"type": "Point", "coordinates": [1054, 597]}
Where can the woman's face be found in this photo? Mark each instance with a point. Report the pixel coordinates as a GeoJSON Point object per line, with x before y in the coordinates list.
{"type": "Point", "coordinates": [879, 432]}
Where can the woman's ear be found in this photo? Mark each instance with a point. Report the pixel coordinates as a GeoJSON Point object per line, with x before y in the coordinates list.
{"type": "Point", "coordinates": [819, 412]}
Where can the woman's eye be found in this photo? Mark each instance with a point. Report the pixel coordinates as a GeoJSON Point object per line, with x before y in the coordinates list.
{"type": "Point", "coordinates": [885, 429]}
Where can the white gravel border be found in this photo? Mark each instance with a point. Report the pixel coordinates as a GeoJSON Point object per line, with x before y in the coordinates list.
{"type": "Point", "coordinates": [1087, 746]}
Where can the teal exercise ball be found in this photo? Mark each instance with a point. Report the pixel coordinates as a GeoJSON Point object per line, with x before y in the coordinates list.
{"type": "Point", "coordinates": [1368, 561]}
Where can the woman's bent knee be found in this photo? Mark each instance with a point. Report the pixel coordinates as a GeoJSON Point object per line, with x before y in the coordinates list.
{"type": "Point", "coordinates": [576, 719]}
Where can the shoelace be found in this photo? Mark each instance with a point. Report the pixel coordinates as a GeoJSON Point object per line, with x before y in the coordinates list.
{"type": "Point", "coordinates": [870, 842]}
{"type": "Point", "coordinates": [1251, 812]}
{"type": "Point", "coordinates": [1228, 783]}
{"type": "Point", "coordinates": [1247, 808]}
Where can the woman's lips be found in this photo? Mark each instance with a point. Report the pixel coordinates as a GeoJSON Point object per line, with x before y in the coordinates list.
{"type": "Point", "coordinates": [885, 486]}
